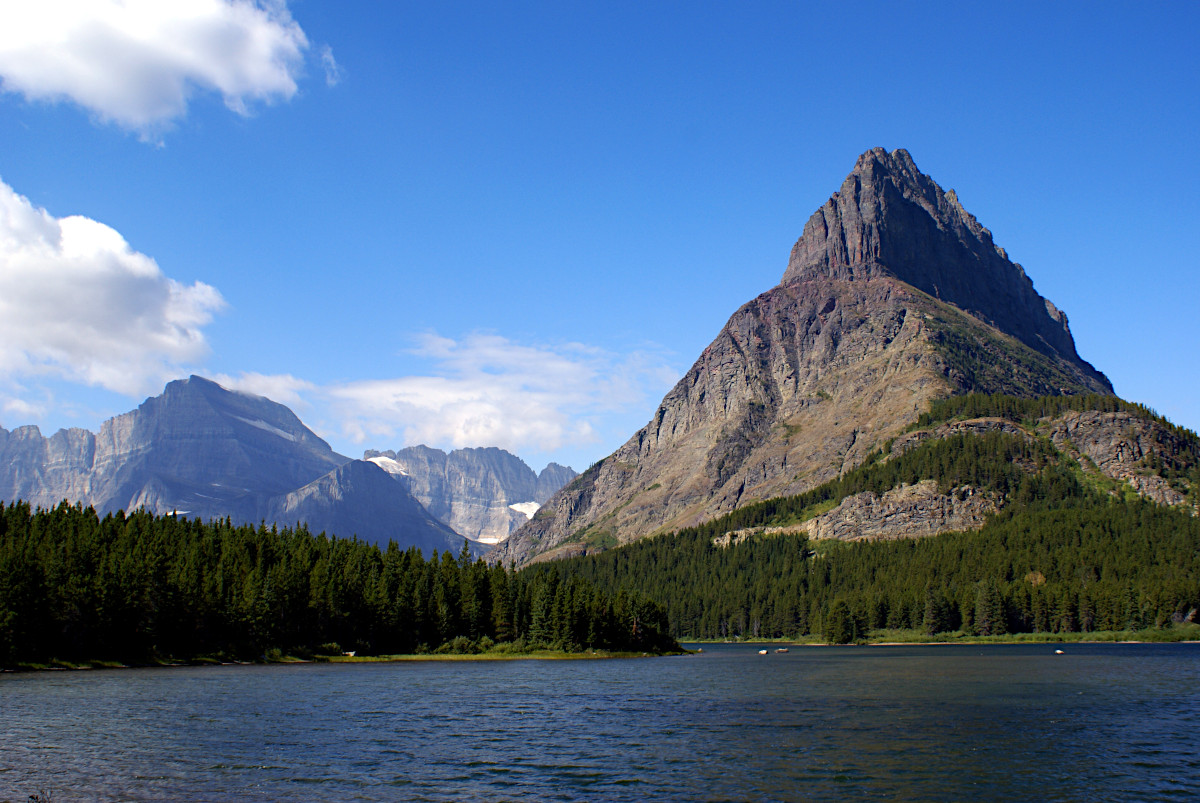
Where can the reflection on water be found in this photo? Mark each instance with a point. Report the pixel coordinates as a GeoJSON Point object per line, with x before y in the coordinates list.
{"type": "Point", "coordinates": [1113, 722]}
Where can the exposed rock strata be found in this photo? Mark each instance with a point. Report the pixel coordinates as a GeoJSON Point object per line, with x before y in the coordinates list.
{"type": "Point", "coordinates": [910, 511]}
{"type": "Point", "coordinates": [1119, 444]}
{"type": "Point", "coordinates": [889, 219]}
{"type": "Point", "coordinates": [973, 426]}
{"type": "Point", "coordinates": [871, 322]}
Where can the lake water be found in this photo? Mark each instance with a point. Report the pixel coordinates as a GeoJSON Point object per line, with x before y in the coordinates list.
{"type": "Point", "coordinates": [1100, 722]}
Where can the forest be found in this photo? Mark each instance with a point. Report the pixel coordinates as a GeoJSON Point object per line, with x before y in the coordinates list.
{"type": "Point", "coordinates": [144, 588]}
{"type": "Point", "coordinates": [1119, 565]}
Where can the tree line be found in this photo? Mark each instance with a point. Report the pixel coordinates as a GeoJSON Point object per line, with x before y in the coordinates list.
{"type": "Point", "coordinates": [75, 586]}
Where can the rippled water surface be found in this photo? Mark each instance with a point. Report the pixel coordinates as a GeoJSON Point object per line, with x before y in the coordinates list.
{"type": "Point", "coordinates": [1110, 722]}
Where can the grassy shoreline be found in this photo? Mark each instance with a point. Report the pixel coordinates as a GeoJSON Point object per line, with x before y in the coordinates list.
{"type": "Point", "coordinates": [57, 665]}
{"type": "Point", "coordinates": [1177, 634]}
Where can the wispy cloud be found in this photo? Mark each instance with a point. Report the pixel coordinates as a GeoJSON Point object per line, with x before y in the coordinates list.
{"type": "Point", "coordinates": [137, 63]}
{"type": "Point", "coordinates": [333, 71]}
{"type": "Point", "coordinates": [78, 303]}
{"type": "Point", "coordinates": [486, 390]}
{"type": "Point", "coordinates": [283, 388]}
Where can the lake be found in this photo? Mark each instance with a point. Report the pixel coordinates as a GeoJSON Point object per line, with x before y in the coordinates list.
{"type": "Point", "coordinates": [997, 722]}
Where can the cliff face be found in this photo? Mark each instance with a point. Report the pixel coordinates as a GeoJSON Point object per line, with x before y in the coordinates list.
{"type": "Point", "coordinates": [893, 296]}
{"type": "Point", "coordinates": [484, 494]}
{"type": "Point", "coordinates": [1125, 448]}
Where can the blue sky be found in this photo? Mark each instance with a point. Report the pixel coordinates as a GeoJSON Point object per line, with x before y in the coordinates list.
{"type": "Point", "coordinates": [518, 224]}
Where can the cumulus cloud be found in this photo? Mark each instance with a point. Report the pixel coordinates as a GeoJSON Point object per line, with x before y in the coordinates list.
{"type": "Point", "coordinates": [77, 302]}
{"type": "Point", "coordinates": [488, 390]}
{"type": "Point", "coordinates": [138, 62]}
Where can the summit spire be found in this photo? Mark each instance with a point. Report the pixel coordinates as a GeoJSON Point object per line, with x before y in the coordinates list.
{"type": "Point", "coordinates": [890, 219]}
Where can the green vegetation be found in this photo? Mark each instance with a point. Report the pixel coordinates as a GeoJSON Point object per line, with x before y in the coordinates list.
{"type": "Point", "coordinates": [986, 361]}
{"type": "Point", "coordinates": [76, 588]}
{"type": "Point", "coordinates": [1023, 410]}
{"type": "Point", "coordinates": [1177, 458]}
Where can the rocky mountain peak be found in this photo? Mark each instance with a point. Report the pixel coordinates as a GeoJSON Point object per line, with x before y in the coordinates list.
{"type": "Point", "coordinates": [894, 296]}
{"type": "Point", "coordinates": [864, 229]}
{"type": "Point", "coordinates": [890, 219]}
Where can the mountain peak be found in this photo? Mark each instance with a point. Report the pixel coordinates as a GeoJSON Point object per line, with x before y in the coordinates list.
{"type": "Point", "coordinates": [886, 213]}
{"type": "Point", "coordinates": [890, 219]}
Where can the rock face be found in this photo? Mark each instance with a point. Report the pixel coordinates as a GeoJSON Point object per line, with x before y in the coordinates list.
{"type": "Point", "coordinates": [893, 296]}
{"type": "Point", "coordinates": [1120, 446]}
{"type": "Point", "coordinates": [197, 448]}
{"type": "Point", "coordinates": [911, 511]}
{"type": "Point", "coordinates": [205, 452]}
{"type": "Point", "coordinates": [550, 479]}
{"type": "Point", "coordinates": [483, 494]}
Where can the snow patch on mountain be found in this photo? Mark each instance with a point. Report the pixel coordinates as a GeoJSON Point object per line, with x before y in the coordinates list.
{"type": "Point", "coordinates": [265, 427]}
{"type": "Point", "coordinates": [527, 508]}
{"type": "Point", "coordinates": [389, 465]}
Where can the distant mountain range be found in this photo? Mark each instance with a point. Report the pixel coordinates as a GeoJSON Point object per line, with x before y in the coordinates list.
{"type": "Point", "coordinates": [484, 494]}
{"type": "Point", "coordinates": [202, 451]}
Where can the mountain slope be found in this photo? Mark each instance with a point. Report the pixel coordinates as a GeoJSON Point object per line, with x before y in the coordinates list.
{"type": "Point", "coordinates": [359, 498]}
{"type": "Point", "coordinates": [197, 447]}
{"type": "Point", "coordinates": [871, 323]}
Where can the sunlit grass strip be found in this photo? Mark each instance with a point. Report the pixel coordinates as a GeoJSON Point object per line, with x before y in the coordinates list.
{"type": "Point", "coordinates": [541, 655]}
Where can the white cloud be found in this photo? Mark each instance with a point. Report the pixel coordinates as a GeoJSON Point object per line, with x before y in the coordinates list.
{"type": "Point", "coordinates": [23, 409]}
{"type": "Point", "coordinates": [489, 391]}
{"type": "Point", "coordinates": [333, 71]}
{"type": "Point", "coordinates": [138, 62]}
{"type": "Point", "coordinates": [77, 302]}
{"type": "Point", "coordinates": [283, 388]}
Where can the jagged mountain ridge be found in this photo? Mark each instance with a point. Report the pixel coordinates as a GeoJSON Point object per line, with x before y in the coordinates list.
{"type": "Point", "coordinates": [482, 493]}
{"type": "Point", "coordinates": [870, 323]}
{"type": "Point", "coordinates": [203, 451]}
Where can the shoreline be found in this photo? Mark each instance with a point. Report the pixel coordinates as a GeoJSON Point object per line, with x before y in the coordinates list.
{"type": "Point", "coordinates": [535, 655]}
{"type": "Point", "coordinates": [1185, 634]}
